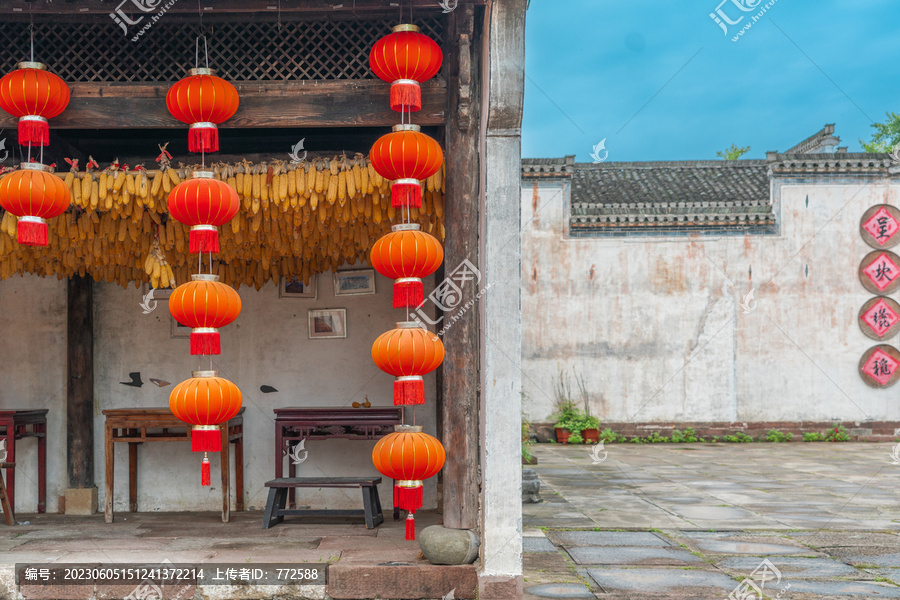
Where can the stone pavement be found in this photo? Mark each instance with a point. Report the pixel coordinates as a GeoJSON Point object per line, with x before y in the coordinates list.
{"type": "Point", "coordinates": [700, 521]}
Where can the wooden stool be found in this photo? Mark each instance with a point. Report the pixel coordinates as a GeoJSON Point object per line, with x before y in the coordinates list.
{"type": "Point", "coordinates": [278, 488]}
{"type": "Point", "coordinates": [4, 497]}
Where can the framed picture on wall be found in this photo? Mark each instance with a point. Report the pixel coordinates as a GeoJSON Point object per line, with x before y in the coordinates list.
{"type": "Point", "coordinates": [293, 287]}
{"type": "Point", "coordinates": [352, 283]}
{"type": "Point", "coordinates": [158, 294]}
{"type": "Point", "coordinates": [179, 330]}
{"type": "Point", "coordinates": [328, 323]}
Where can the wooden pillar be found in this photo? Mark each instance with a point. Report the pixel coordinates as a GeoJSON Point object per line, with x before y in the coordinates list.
{"type": "Point", "coordinates": [80, 390]}
{"type": "Point", "coordinates": [460, 376]}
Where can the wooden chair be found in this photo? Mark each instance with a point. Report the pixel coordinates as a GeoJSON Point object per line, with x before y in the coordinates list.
{"type": "Point", "coordinates": [4, 498]}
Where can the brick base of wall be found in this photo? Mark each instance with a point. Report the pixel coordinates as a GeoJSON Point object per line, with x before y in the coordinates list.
{"type": "Point", "coordinates": [864, 431]}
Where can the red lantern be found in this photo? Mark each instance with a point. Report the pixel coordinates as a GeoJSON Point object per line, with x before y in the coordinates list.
{"type": "Point", "coordinates": [34, 95]}
{"type": "Point", "coordinates": [406, 156]}
{"type": "Point", "coordinates": [34, 195]}
{"type": "Point", "coordinates": [408, 456]}
{"type": "Point", "coordinates": [204, 203]}
{"type": "Point", "coordinates": [406, 255]}
{"type": "Point", "coordinates": [403, 58]}
{"type": "Point", "coordinates": [202, 100]}
{"type": "Point", "coordinates": [204, 305]}
{"type": "Point", "coordinates": [408, 352]}
{"type": "Point", "coordinates": [204, 401]}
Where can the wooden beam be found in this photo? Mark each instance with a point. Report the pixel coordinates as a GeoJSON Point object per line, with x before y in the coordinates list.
{"type": "Point", "coordinates": [339, 103]}
{"type": "Point", "coordinates": [460, 376]}
{"type": "Point", "coordinates": [80, 388]}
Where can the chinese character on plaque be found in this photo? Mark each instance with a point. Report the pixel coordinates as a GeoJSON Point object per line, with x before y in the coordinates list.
{"type": "Point", "coordinates": [879, 226]}
{"type": "Point", "coordinates": [879, 272]}
{"type": "Point", "coordinates": [878, 317]}
{"type": "Point", "coordinates": [878, 366]}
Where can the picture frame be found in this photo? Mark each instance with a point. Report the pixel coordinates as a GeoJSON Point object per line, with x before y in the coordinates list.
{"type": "Point", "coordinates": [354, 283]}
{"type": "Point", "coordinates": [293, 287]}
{"type": "Point", "coordinates": [179, 330]}
{"type": "Point", "coordinates": [327, 323]}
{"type": "Point", "coordinates": [158, 293]}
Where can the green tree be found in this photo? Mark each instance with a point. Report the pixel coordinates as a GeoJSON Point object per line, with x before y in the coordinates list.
{"type": "Point", "coordinates": [886, 136]}
{"type": "Point", "coordinates": [733, 153]}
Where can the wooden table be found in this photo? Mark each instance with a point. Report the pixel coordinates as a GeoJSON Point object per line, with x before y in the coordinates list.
{"type": "Point", "coordinates": [138, 425]}
{"type": "Point", "coordinates": [16, 424]}
{"type": "Point", "coordinates": [293, 424]}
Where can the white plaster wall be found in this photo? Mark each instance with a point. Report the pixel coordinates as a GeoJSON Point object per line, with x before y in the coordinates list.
{"type": "Point", "coordinates": [33, 375]}
{"type": "Point", "coordinates": [267, 345]}
{"type": "Point", "coordinates": [655, 325]}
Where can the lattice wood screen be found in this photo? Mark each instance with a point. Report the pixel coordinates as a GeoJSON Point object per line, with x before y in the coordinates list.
{"type": "Point", "coordinates": [314, 49]}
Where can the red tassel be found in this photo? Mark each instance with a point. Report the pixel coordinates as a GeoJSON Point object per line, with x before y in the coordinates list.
{"type": "Point", "coordinates": [206, 440]}
{"type": "Point", "coordinates": [31, 233]}
{"type": "Point", "coordinates": [406, 194]}
{"type": "Point", "coordinates": [203, 139]}
{"type": "Point", "coordinates": [410, 498]}
{"type": "Point", "coordinates": [396, 495]}
{"type": "Point", "coordinates": [204, 240]}
{"type": "Point", "coordinates": [406, 97]}
{"type": "Point", "coordinates": [206, 343]}
{"type": "Point", "coordinates": [33, 133]}
{"type": "Point", "coordinates": [409, 392]}
{"type": "Point", "coordinates": [410, 527]}
{"type": "Point", "coordinates": [408, 294]}
{"type": "Point", "coordinates": [205, 476]}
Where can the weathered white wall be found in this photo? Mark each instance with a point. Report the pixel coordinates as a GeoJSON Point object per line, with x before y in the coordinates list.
{"type": "Point", "coordinates": [33, 375]}
{"type": "Point", "coordinates": [267, 345]}
{"type": "Point", "coordinates": [655, 324]}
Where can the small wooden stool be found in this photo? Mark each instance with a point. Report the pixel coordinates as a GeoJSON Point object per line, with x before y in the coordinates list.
{"type": "Point", "coordinates": [4, 497]}
{"type": "Point", "coordinates": [278, 488]}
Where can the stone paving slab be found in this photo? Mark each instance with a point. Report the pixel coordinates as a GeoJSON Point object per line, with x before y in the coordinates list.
{"type": "Point", "coordinates": [607, 538]}
{"type": "Point", "coordinates": [632, 555]}
{"type": "Point", "coordinates": [687, 582]}
{"type": "Point", "coordinates": [744, 547]}
{"type": "Point", "coordinates": [559, 590]}
{"type": "Point", "coordinates": [791, 567]}
{"type": "Point", "coordinates": [537, 544]}
{"type": "Point", "coordinates": [859, 589]}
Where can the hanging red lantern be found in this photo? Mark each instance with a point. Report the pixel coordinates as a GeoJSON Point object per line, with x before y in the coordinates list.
{"type": "Point", "coordinates": [205, 401]}
{"type": "Point", "coordinates": [205, 305]}
{"type": "Point", "coordinates": [34, 95]}
{"type": "Point", "coordinates": [406, 255]}
{"type": "Point", "coordinates": [406, 156]}
{"type": "Point", "coordinates": [408, 352]}
{"type": "Point", "coordinates": [404, 58]}
{"type": "Point", "coordinates": [202, 100]}
{"type": "Point", "coordinates": [204, 203]}
{"type": "Point", "coordinates": [408, 456]}
{"type": "Point", "coordinates": [33, 194]}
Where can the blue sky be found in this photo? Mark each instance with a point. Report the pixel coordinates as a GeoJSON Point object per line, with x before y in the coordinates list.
{"type": "Point", "coordinates": [661, 81]}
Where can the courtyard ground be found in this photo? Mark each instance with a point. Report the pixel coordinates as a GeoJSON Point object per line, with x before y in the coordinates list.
{"type": "Point", "coordinates": [705, 521]}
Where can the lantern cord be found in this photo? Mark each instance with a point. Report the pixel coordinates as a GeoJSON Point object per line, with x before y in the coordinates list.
{"type": "Point", "coordinates": [31, 31]}
{"type": "Point", "coordinates": [197, 48]}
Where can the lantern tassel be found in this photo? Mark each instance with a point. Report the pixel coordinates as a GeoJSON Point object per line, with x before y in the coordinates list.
{"type": "Point", "coordinates": [396, 495]}
{"type": "Point", "coordinates": [203, 139]}
{"type": "Point", "coordinates": [408, 392]}
{"type": "Point", "coordinates": [406, 194]}
{"type": "Point", "coordinates": [205, 343]}
{"type": "Point", "coordinates": [204, 240]}
{"type": "Point", "coordinates": [205, 475]}
{"type": "Point", "coordinates": [408, 293]}
{"type": "Point", "coordinates": [206, 440]}
{"type": "Point", "coordinates": [406, 96]}
{"type": "Point", "coordinates": [410, 498]}
{"type": "Point", "coordinates": [31, 232]}
{"type": "Point", "coordinates": [34, 132]}
{"type": "Point", "coordinates": [410, 526]}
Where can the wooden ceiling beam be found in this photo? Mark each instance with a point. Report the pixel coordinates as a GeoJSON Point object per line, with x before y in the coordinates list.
{"type": "Point", "coordinates": [265, 104]}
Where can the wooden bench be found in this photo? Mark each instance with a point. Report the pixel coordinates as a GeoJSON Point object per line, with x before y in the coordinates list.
{"type": "Point", "coordinates": [278, 492]}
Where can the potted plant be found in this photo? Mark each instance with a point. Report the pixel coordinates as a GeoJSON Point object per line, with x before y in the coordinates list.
{"type": "Point", "coordinates": [590, 429]}
{"type": "Point", "coordinates": [567, 413]}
